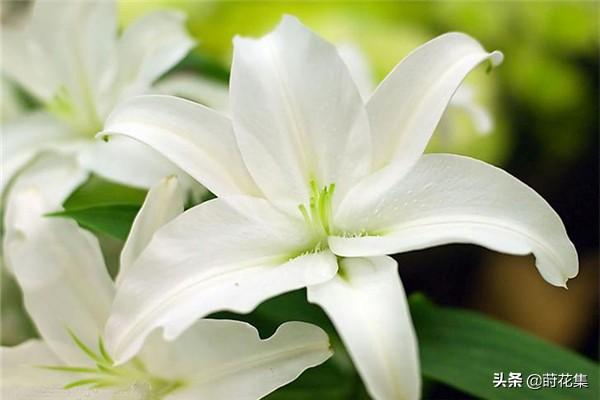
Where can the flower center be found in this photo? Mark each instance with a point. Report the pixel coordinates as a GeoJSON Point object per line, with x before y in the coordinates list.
{"type": "Point", "coordinates": [318, 214]}
{"type": "Point", "coordinates": [81, 115]}
{"type": "Point", "coordinates": [105, 374]}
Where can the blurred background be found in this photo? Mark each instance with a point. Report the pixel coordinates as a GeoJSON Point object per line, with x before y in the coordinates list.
{"type": "Point", "coordinates": [543, 101]}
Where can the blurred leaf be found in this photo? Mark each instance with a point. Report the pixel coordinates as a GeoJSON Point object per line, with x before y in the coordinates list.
{"type": "Point", "coordinates": [206, 65]}
{"type": "Point", "coordinates": [111, 219]}
{"type": "Point", "coordinates": [97, 191]}
{"type": "Point", "coordinates": [463, 349]}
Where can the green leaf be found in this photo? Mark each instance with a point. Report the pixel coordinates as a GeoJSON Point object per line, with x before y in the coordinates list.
{"type": "Point", "coordinates": [205, 64]}
{"type": "Point", "coordinates": [464, 349]}
{"type": "Point", "coordinates": [103, 206]}
{"type": "Point", "coordinates": [96, 191]}
{"type": "Point", "coordinates": [112, 219]}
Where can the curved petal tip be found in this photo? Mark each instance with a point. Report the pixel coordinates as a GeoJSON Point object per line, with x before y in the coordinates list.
{"type": "Point", "coordinates": [496, 57]}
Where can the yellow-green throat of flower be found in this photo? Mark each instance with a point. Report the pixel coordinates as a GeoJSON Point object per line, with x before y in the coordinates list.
{"type": "Point", "coordinates": [82, 115]}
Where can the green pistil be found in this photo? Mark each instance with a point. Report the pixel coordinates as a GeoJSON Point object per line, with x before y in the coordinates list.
{"type": "Point", "coordinates": [106, 374]}
{"type": "Point", "coordinates": [318, 215]}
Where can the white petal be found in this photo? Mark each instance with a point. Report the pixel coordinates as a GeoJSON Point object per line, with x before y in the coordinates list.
{"type": "Point", "coordinates": [61, 45]}
{"type": "Point", "coordinates": [24, 137]}
{"type": "Point", "coordinates": [464, 100]}
{"type": "Point", "coordinates": [297, 114]}
{"type": "Point", "coordinates": [148, 48]}
{"type": "Point", "coordinates": [367, 304]}
{"type": "Point", "coordinates": [55, 176]}
{"type": "Point", "coordinates": [90, 43]}
{"type": "Point", "coordinates": [191, 86]}
{"type": "Point", "coordinates": [195, 138]}
{"type": "Point", "coordinates": [163, 202]}
{"type": "Point", "coordinates": [56, 392]}
{"type": "Point", "coordinates": [225, 254]}
{"type": "Point", "coordinates": [20, 365]}
{"type": "Point", "coordinates": [359, 68]}
{"type": "Point", "coordinates": [24, 379]}
{"type": "Point", "coordinates": [408, 104]}
{"type": "Point", "coordinates": [21, 65]}
{"type": "Point", "coordinates": [454, 199]}
{"type": "Point", "coordinates": [26, 53]}
{"type": "Point", "coordinates": [227, 359]}
{"type": "Point", "coordinates": [58, 266]}
{"type": "Point", "coordinates": [130, 163]}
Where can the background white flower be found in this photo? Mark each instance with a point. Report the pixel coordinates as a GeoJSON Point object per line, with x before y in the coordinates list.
{"type": "Point", "coordinates": [68, 293]}
{"type": "Point", "coordinates": [69, 56]}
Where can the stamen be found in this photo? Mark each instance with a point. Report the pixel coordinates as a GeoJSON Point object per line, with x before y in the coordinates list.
{"type": "Point", "coordinates": [103, 351]}
{"type": "Point", "coordinates": [106, 374]}
{"type": "Point", "coordinates": [318, 214]}
{"type": "Point", "coordinates": [304, 213]}
{"type": "Point", "coordinates": [84, 348]}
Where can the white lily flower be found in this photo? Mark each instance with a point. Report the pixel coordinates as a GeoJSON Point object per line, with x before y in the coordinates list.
{"type": "Point", "coordinates": [314, 189]}
{"type": "Point", "coordinates": [462, 101]}
{"type": "Point", "coordinates": [68, 293]}
{"type": "Point", "coordinates": [68, 55]}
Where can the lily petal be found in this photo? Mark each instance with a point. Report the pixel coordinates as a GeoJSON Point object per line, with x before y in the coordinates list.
{"type": "Point", "coordinates": [21, 64]}
{"type": "Point", "coordinates": [359, 68]}
{"type": "Point", "coordinates": [464, 99]}
{"type": "Point", "coordinates": [207, 91]}
{"type": "Point", "coordinates": [297, 114]}
{"type": "Point", "coordinates": [58, 46]}
{"type": "Point", "coordinates": [24, 378]}
{"type": "Point", "coordinates": [227, 359]}
{"type": "Point", "coordinates": [147, 49]}
{"type": "Point", "coordinates": [197, 139]}
{"type": "Point", "coordinates": [243, 252]}
{"type": "Point", "coordinates": [367, 304]}
{"type": "Point", "coordinates": [20, 365]}
{"type": "Point", "coordinates": [56, 264]}
{"type": "Point", "coordinates": [26, 136]}
{"type": "Point", "coordinates": [408, 104]}
{"type": "Point", "coordinates": [130, 163]}
{"type": "Point", "coordinates": [455, 199]}
{"type": "Point", "coordinates": [163, 202]}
